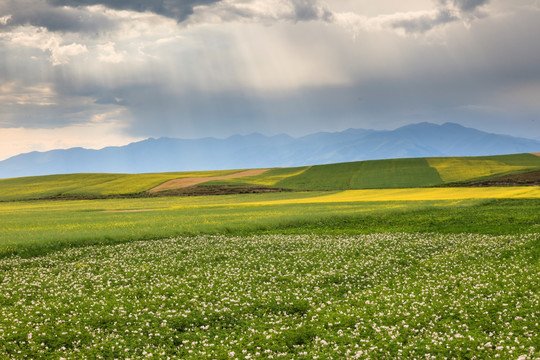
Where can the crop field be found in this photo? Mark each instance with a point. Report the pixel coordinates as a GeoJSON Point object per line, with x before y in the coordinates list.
{"type": "Point", "coordinates": [455, 170]}
{"type": "Point", "coordinates": [34, 227]}
{"type": "Point", "coordinates": [270, 178]}
{"type": "Point", "coordinates": [94, 266]}
{"type": "Point", "coordinates": [366, 174]}
{"type": "Point", "coordinates": [419, 194]}
{"type": "Point", "coordinates": [376, 174]}
{"type": "Point", "coordinates": [89, 184]}
{"type": "Point", "coordinates": [376, 296]}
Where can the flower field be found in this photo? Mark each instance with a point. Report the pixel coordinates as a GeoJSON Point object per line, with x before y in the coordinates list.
{"type": "Point", "coordinates": [421, 194]}
{"type": "Point", "coordinates": [376, 296]}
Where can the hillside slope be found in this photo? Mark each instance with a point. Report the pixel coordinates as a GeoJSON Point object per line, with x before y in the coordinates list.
{"type": "Point", "coordinates": [373, 174]}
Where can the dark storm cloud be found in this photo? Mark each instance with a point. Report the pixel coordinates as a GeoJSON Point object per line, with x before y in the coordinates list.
{"type": "Point", "coordinates": [470, 88]}
{"type": "Point", "coordinates": [41, 14]}
{"type": "Point", "coordinates": [308, 10]}
{"type": "Point", "coordinates": [72, 16]}
{"type": "Point", "coordinates": [155, 111]}
{"type": "Point", "coordinates": [426, 22]}
{"type": "Point", "coordinates": [69, 15]}
{"type": "Point", "coordinates": [176, 9]}
{"type": "Point", "coordinates": [465, 5]}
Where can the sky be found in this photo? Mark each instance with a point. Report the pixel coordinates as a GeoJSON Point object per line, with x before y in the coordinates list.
{"type": "Point", "coordinates": [95, 73]}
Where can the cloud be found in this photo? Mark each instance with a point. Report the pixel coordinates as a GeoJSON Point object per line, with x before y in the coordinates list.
{"type": "Point", "coordinates": [177, 9]}
{"type": "Point", "coordinates": [42, 39]}
{"type": "Point", "coordinates": [108, 54]}
{"type": "Point", "coordinates": [414, 23]}
{"type": "Point", "coordinates": [77, 15]}
{"type": "Point", "coordinates": [423, 22]}
{"type": "Point", "coordinates": [260, 11]}
{"type": "Point", "coordinates": [39, 13]}
{"type": "Point", "coordinates": [13, 93]}
{"type": "Point", "coordinates": [5, 19]}
{"type": "Point", "coordinates": [181, 10]}
{"type": "Point", "coordinates": [80, 15]}
{"type": "Point", "coordinates": [448, 11]}
{"type": "Point", "coordinates": [214, 68]}
{"type": "Point", "coordinates": [463, 5]}
{"type": "Point", "coordinates": [306, 10]}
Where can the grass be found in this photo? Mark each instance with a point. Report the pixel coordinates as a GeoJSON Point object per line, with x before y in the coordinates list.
{"type": "Point", "coordinates": [515, 159]}
{"type": "Point", "coordinates": [270, 178]}
{"type": "Point", "coordinates": [454, 170]}
{"type": "Point", "coordinates": [365, 175]}
{"type": "Point", "coordinates": [394, 173]}
{"type": "Point", "coordinates": [379, 174]}
{"type": "Point", "coordinates": [36, 227]}
{"type": "Point", "coordinates": [39, 187]}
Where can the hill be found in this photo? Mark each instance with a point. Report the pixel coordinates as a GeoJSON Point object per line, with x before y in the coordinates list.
{"type": "Point", "coordinates": [372, 174]}
{"type": "Point", "coordinates": [259, 151]}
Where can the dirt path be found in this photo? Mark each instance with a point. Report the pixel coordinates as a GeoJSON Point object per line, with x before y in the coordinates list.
{"type": "Point", "coordinates": [187, 182]}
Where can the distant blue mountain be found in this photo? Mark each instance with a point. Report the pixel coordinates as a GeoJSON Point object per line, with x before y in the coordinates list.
{"type": "Point", "coordinates": [259, 151]}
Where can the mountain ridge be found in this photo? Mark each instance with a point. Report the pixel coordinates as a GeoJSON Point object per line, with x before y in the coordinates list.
{"type": "Point", "coordinates": [255, 150]}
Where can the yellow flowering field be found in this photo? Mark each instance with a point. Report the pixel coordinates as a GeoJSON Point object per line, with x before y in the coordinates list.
{"type": "Point", "coordinates": [420, 194]}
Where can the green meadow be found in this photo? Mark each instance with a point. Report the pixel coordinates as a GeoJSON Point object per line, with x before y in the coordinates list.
{"type": "Point", "coordinates": [376, 174]}
{"type": "Point", "coordinates": [89, 185]}
{"type": "Point", "coordinates": [392, 173]}
{"type": "Point", "coordinates": [366, 260]}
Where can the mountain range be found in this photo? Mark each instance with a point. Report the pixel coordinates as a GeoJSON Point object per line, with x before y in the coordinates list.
{"type": "Point", "coordinates": [259, 151]}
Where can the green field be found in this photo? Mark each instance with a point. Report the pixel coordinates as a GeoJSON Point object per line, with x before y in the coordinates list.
{"type": "Point", "coordinates": [377, 296]}
{"type": "Point", "coordinates": [452, 170]}
{"type": "Point", "coordinates": [366, 175]}
{"type": "Point", "coordinates": [89, 185]}
{"type": "Point", "coordinates": [345, 271]}
{"type": "Point", "coordinates": [393, 173]}
{"type": "Point", "coordinates": [30, 228]}
{"type": "Point", "coordinates": [377, 174]}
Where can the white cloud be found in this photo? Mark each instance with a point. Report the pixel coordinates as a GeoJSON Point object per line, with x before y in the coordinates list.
{"type": "Point", "coordinates": [413, 22]}
{"type": "Point", "coordinates": [108, 54]}
{"type": "Point", "coordinates": [5, 19]}
{"type": "Point", "coordinates": [41, 38]}
{"type": "Point", "coordinates": [61, 54]}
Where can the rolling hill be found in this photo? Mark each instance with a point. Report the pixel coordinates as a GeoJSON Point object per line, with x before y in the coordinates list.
{"type": "Point", "coordinates": [371, 174]}
{"type": "Point", "coordinates": [259, 151]}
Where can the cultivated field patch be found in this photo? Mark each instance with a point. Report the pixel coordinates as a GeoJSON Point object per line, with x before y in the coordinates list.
{"type": "Point", "coordinates": [191, 181]}
{"type": "Point", "coordinates": [463, 169]}
{"type": "Point", "coordinates": [419, 194]}
{"type": "Point", "coordinates": [31, 228]}
{"type": "Point", "coordinates": [270, 178]}
{"type": "Point", "coordinates": [89, 185]}
{"type": "Point", "coordinates": [529, 178]}
{"type": "Point", "coordinates": [377, 174]}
